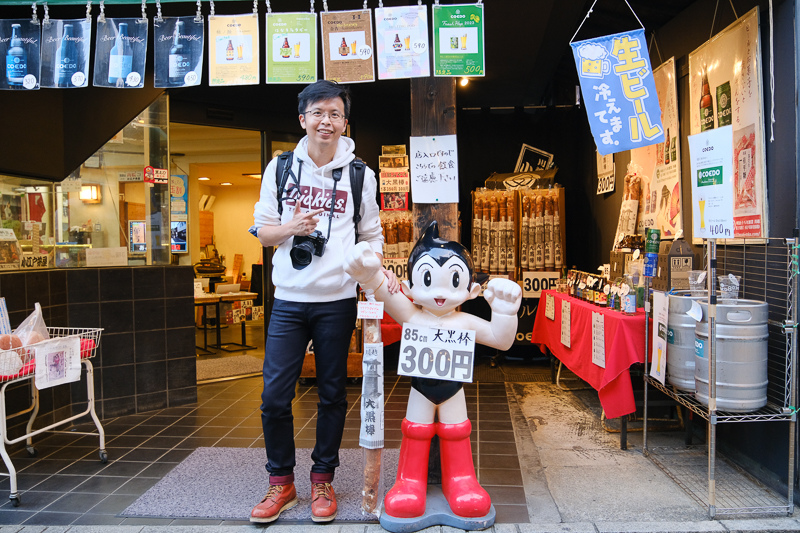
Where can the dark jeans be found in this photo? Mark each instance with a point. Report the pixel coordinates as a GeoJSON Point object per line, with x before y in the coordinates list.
{"type": "Point", "coordinates": [330, 325]}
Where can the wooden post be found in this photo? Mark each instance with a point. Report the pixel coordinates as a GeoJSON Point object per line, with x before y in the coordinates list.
{"type": "Point", "coordinates": [433, 112]}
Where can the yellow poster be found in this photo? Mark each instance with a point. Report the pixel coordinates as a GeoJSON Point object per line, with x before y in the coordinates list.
{"type": "Point", "coordinates": [233, 50]}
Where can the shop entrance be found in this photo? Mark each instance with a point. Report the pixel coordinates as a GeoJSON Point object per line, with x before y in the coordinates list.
{"type": "Point", "coordinates": [223, 169]}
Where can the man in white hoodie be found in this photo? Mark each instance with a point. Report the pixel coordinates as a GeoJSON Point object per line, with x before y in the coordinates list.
{"type": "Point", "coordinates": [314, 301]}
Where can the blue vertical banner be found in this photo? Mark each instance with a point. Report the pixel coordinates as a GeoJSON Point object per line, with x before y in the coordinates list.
{"type": "Point", "coordinates": [619, 91]}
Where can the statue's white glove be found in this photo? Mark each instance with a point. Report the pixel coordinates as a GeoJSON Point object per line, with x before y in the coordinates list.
{"type": "Point", "coordinates": [364, 266]}
{"type": "Point", "coordinates": [503, 296]}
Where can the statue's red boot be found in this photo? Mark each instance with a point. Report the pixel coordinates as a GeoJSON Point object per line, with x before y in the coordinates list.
{"type": "Point", "coordinates": [406, 499]}
{"type": "Point", "coordinates": [461, 488]}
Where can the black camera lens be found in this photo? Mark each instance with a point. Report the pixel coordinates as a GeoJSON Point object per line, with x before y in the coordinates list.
{"type": "Point", "coordinates": [301, 254]}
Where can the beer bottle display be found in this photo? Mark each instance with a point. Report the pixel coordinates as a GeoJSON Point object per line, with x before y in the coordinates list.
{"type": "Point", "coordinates": [229, 51]}
{"type": "Point", "coordinates": [397, 45]}
{"type": "Point", "coordinates": [724, 111]}
{"type": "Point", "coordinates": [120, 61]}
{"type": "Point", "coordinates": [706, 106]}
{"type": "Point", "coordinates": [343, 48]}
{"type": "Point", "coordinates": [66, 58]}
{"type": "Point", "coordinates": [16, 58]}
{"type": "Point", "coordinates": [285, 50]}
{"type": "Point", "coordinates": [180, 62]}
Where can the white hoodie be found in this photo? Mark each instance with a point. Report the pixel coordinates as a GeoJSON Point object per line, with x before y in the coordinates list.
{"type": "Point", "coordinates": [324, 280]}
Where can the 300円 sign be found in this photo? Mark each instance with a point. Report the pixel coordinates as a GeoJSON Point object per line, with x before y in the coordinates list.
{"type": "Point", "coordinates": [437, 353]}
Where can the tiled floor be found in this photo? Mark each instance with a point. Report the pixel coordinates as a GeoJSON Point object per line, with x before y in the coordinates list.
{"type": "Point", "coordinates": [67, 484]}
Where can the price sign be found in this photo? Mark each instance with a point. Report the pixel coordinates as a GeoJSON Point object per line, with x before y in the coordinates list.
{"type": "Point", "coordinates": [566, 323]}
{"type": "Point", "coordinates": [446, 354]}
{"type": "Point", "coordinates": [550, 307]}
{"type": "Point", "coordinates": [365, 52]}
{"type": "Point", "coordinates": [398, 265]}
{"type": "Point", "coordinates": [533, 283]}
{"type": "Point", "coordinates": [605, 173]}
{"type": "Point", "coordinates": [370, 310]}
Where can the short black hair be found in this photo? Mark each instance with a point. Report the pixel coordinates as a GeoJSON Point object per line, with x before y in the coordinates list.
{"type": "Point", "coordinates": [323, 90]}
{"type": "Point", "coordinates": [440, 251]}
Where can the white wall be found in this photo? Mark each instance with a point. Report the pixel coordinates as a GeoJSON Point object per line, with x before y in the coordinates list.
{"type": "Point", "coordinates": [233, 215]}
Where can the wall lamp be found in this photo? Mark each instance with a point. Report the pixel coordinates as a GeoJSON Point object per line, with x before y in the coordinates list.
{"type": "Point", "coordinates": [90, 194]}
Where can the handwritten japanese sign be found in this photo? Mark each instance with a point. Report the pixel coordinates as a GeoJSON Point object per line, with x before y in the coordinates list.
{"type": "Point", "coordinates": [434, 169]}
{"type": "Point", "coordinates": [446, 354]}
{"type": "Point", "coordinates": [619, 91]}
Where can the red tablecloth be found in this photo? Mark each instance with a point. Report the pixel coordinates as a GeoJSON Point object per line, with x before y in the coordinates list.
{"type": "Point", "coordinates": [624, 346]}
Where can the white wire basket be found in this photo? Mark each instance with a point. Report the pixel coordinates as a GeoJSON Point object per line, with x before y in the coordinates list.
{"type": "Point", "coordinates": [20, 362]}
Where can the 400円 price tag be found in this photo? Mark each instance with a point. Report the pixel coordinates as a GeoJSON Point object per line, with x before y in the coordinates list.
{"type": "Point", "coordinates": [437, 353]}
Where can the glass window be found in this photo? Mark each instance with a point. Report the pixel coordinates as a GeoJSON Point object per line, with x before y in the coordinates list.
{"type": "Point", "coordinates": [115, 202]}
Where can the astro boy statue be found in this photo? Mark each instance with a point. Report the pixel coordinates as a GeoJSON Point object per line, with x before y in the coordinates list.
{"type": "Point", "coordinates": [441, 278]}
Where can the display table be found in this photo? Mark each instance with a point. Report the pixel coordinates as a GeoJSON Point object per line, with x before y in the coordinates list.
{"type": "Point", "coordinates": [624, 346]}
{"type": "Point", "coordinates": [215, 299]}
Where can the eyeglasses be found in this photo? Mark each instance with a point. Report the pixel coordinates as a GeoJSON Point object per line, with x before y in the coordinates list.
{"type": "Point", "coordinates": [333, 116]}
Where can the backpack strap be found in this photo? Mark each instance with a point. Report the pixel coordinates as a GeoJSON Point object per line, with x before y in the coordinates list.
{"type": "Point", "coordinates": [357, 170]}
{"type": "Point", "coordinates": [282, 169]}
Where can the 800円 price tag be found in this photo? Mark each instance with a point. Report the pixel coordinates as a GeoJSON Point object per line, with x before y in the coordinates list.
{"type": "Point", "coordinates": [437, 353]}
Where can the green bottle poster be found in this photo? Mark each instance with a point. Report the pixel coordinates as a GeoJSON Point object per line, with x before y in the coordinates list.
{"type": "Point", "coordinates": [458, 40]}
{"type": "Point", "coordinates": [291, 47]}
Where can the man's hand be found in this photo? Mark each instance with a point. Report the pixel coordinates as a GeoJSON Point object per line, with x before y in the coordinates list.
{"type": "Point", "coordinates": [364, 266]}
{"type": "Point", "coordinates": [503, 296]}
{"type": "Point", "coordinates": [301, 223]}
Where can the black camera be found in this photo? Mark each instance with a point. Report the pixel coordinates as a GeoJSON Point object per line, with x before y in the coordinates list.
{"type": "Point", "coordinates": [304, 248]}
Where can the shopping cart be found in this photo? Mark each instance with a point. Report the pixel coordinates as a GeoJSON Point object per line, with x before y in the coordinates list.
{"type": "Point", "coordinates": [18, 365]}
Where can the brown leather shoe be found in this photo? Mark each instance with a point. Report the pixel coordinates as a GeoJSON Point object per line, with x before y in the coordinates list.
{"type": "Point", "coordinates": [323, 502]}
{"type": "Point", "coordinates": [278, 499]}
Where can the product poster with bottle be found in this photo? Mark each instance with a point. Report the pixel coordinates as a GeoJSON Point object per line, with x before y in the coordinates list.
{"type": "Point", "coordinates": [458, 40]}
{"type": "Point", "coordinates": [65, 53]}
{"type": "Point", "coordinates": [401, 38]}
{"type": "Point", "coordinates": [120, 53]}
{"type": "Point", "coordinates": [726, 89]}
{"type": "Point", "coordinates": [291, 47]}
{"type": "Point", "coordinates": [178, 51]}
{"type": "Point", "coordinates": [660, 190]}
{"type": "Point", "coordinates": [347, 46]}
{"type": "Point", "coordinates": [20, 41]}
{"type": "Point", "coordinates": [619, 91]}
{"type": "Point", "coordinates": [233, 50]}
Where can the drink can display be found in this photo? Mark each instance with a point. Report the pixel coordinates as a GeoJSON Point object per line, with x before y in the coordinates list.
{"type": "Point", "coordinates": [650, 263]}
{"type": "Point", "coordinates": [652, 240]}
{"type": "Point", "coordinates": [628, 303]}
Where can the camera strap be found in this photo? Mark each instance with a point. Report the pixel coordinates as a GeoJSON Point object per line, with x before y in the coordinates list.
{"type": "Point", "coordinates": [337, 175]}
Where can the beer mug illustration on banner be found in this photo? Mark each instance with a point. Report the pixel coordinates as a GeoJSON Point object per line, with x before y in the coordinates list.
{"type": "Point", "coordinates": [593, 61]}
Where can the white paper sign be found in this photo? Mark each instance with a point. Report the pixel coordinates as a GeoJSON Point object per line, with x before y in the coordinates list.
{"type": "Point", "coordinates": [370, 310]}
{"type": "Point", "coordinates": [711, 154]}
{"type": "Point", "coordinates": [598, 339]}
{"type": "Point", "coordinates": [446, 354]}
{"type": "Point", "coordinates": [658, 368]}
{"type": "Point", "coordinates": [550, 307]}
{"type": "Point", "coordinates": [605, 173]}
{"type": "Point", "coordinates": [58, 361]}
{"type": "Point", "coordinates": [5, 325]}
{"type": "Point", "coordinates": [533, 283]}
{"type": "Point", "coordinates": [434, 169]}
{"type": "Point", "coordinates": [565, 323]}
{"type": "Point", "coordinates": [97, 257]}
{"type": "Point", "coordinates": [371, 435]}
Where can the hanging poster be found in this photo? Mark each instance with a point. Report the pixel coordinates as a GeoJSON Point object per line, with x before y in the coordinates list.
{"type": "Point", "coordinates": [65, 53]}
{"type": "Point", "coordinates": [20, 41]}
{"type": "Point", "coordinates": [458, 40]}
{"type": "Point", "coordinates": [712, 192]}
{"type": "Point", "coordinates": [619, 92]}
{"type": "Point", "coordinates": [178, 52]}
{"type": "Point", "coordinates": [233, 50]}
{"type": "Point", "coordinates": [658, 358]}
{"type": "Point", "coordinates": [660, 191]}
{"type": "Point", "coordinates": [347, 46]}
{"type": "Point", "coordinates": [120, 53]}
{"type": "Point", "coordinates": [725, 88]}
{"type": "Point", "coordinates": [434, 169]}
{"type": "Point", "coordinates": [401, 35]}
{"type": "Point", "coordinates": [291, 47]}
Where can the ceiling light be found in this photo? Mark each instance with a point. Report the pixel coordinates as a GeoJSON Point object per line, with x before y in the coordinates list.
{"type": "Point", "coordinates": [226, 183]}
{"type": "Point", "coordinates": [254, 176]}
{"type": "Point", "coordinates": [464, 82]}
{"type": "Point", "coordinates": [203, 179]}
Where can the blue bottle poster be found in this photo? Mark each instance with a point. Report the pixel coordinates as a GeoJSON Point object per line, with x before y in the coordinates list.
{"type": "Point", "coordinates": [178, 51]}
{"type": "Point", "coordinates": [20, 41]}
{"type": "Point", "coordinates": [65, 53]}
{"type": "Point", "coordinates": [120, 53]}
{"type": "Point", "coordinates": [619, 92]}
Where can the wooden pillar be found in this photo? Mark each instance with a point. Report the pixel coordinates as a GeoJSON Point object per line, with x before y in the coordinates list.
{"type": "Point", "coordinates": [433, 112]}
